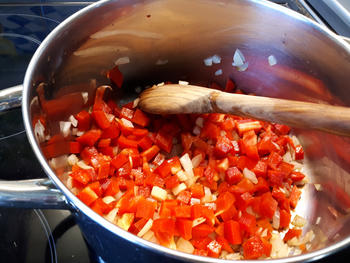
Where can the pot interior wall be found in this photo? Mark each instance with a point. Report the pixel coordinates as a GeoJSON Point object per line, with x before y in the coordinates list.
{"type": "Point", "coordinates": [165, 40]}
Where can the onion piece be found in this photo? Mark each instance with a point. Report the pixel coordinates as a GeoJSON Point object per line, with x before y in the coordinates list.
{"type": "Point", "coordinates": [108, 199]}
{"type": "Point", "coordinates": [197, 160]}
{"type": "Point", "coordinates": [85, 96]}
{"type": "Point", "coordinates": [59, 161]}
{"type": "Point", "coordinates": [182, 82]}
{"type": "Point", "coordinates": [72, 159]}
{"type": "Point", "coordinates": [83, 165]}
{"type": "Point", "coordinates": [196, 130]}
{"type": "Point", "coordinates": [238, 58]}
{"type": "Point", "coordinates": [184, 245]}
{"type": "Point", "coordinates": [39, 131]}
{"type": "Point", "coordinates": [122, 61]}
{"type": "Point", "coordinates": [197, 221]}
{"type": "Point", "coordinates": [208, 61]}
{"type": "Point", "coordinates": [216, 59]}
{"type": "Point", "coordinates": [250, 175]}
{"type": "Point", "coordinates": [145, 228]}
{"type": "Point", "coordinates": [65, 128]}
{"type": "Point", "coordinates": [218, 72]}
{"type": "Point", "coordinates": [299, 221]}
{"type": "Point", "coordinates": [276, 219]}
{"type": "Point", "coordinates": [127, 123]}
{"type": "Point", "coordinates": [200, 122]}
{"type": "Point", "coordinates": [272, 60]}
{"type": "Point", "coordinates": [187, 164]}
{"type": "Point", "coordinates": [73, 120]}
{"type": "Point", "coordinates": [112, 215]}
{"type": "Point", "coordinates": [177, 189]}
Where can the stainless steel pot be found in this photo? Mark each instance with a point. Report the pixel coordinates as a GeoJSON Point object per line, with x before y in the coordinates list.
{"type": "Point", "coordinates": [169, 40]}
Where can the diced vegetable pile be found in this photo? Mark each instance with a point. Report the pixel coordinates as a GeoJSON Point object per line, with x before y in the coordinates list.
{"type": "Point", "coordinates": [212, 184]}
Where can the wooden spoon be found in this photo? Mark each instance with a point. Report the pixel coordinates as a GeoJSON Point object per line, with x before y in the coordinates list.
{"type": "Point", "coordinates": [177, 99]}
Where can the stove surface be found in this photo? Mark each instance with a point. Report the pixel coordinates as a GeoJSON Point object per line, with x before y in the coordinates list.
{"type": "Point", "coordinates": [32, 235]}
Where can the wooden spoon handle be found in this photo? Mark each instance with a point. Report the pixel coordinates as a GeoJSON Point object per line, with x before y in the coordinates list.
{"type": "Point", "coordinates": [176, 99]}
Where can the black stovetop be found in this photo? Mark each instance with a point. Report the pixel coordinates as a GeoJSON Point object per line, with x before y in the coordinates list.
{"type": "Point", "coordinates": [34, 235]}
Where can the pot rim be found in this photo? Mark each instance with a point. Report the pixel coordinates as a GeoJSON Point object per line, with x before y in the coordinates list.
{"type": "Point", "coordinates": [80, 206]}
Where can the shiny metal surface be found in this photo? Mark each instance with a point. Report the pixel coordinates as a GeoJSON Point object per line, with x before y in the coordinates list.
{"type": "Point", "coordinates": [39, 193]}
{"type": "Point", "coordinates": [11, 98]}
{"type": "Point", "coordinates": [167, 40]}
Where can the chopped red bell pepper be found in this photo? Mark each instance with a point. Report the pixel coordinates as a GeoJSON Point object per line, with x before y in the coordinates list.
{"type": "Point", "coordinates": [184, 227]}
{"type": "Point", "coordinates": [214, 249]}
{"type": "Point", "coordinates": [84, 120]}
{"type": "Point", "coordinates": [268, 205]}
{"type": "Point", "coordinates": [90, 137]}
{"type": "Point", "coordinates": [293, 232]}
{"type": "Point", "coordinates": [140, 118]}
{"type": "Point", "coordinates": [101, 119]}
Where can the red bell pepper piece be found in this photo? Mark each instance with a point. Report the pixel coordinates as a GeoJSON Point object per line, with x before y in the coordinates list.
{"type": "Point", "coordinates": [89, 138]}
{"type": "Point", "coordinates": [184, 197]}
{"type": "Point", "coordinates": [202, 231]}
{"type": "Point", "coordinates": [253, 248]}
{"type": "Point", "coordinates": [83, 176]}
{"type": "Point", "coordinates": [292, 232]}
{"type": "Point", "coordinates": [281, 129]}
{"type": "Point", "coordinates": [274, 160]}
{"type": "Point", "coordinates": [87, 195]}
{"type": "Point", "coordinates": [164, 141]}
{"type": "Point", "coordinates": [101, 119]}
{"type": "Point", "coordinates": [112, 187]}
{"type": "Point", "coordinates": [294, 197]}
{"type": "Point", "coordinates": [201, 243]}
{"type": "Point", "coordinates": [249, 145]}
{"type": "Point", "coordinates": [116, 76]}
{"type": "Point", "coordinates": [260, 169]}
{"type": "Point", "coordinates": [183, 211]}
{"type": "Point", "coordinates": [268, 205]}
{"type": "Point", "coordinates": [145, 208]}
{"type": "Point", "coordinates": [184, 227]}
{"type": "Point", "coordinates": [223, 146]}
{"type": "Point", "coordinates": [151, 152]}
{"type": "Point", "coordinates": [123, 142]}
{"type": "Point", "coordinates": [99, 103]}
{"type": "Point", "coordinates": [197, 190]}
{"type": "Point", "coordinates": [230, 86]}
{"type": "Point", "coordinates": [56, 149]}
{"type": "Point", "coordinates": [232, 232]}
{"type": "Point", "coordinates": [119, 160]}
{"type": "Point", "coordinates": [145, 143]}
{"type": "Point", "coordinates": [164, 230]}
{"type": "Point", "coordinates": [214, 249]}
{"type": "Point", "coordinates": [299, 152]}
{"type": "Point", "coordinates": [296, 176]}
{"type": "Point", "coordinates": [284, 218]}
{"type": "Point", "coordinates": [84, 120]}
{"type": "Point", "coordinates": [140, 118]}
{"type": "Point", "coordinates": [171, 182]}
{"type": "Point", "coordinates": [247, 223]}
{"type": "Point", "coordinates": [233, 175]}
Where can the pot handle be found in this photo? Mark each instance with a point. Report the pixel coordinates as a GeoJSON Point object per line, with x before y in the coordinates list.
{"type": "Point", "coordinates": [11, 98]}
{"type": "Point", "coordinates": [33, 193]}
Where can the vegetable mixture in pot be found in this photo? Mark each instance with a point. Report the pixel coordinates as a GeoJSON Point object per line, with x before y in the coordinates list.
{"type": "Point", "coordinates": [213, 185]}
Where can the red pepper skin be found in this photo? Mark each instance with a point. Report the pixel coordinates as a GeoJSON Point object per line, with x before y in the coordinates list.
{"type": "Point", "coordinates": [233, 175]}
{"type": "Point", "coordinates": [268, 205]}
{"type": "Point", "coordinates": [140, 118]}
{"type": "Point", "coordinates": [184, 227]}
{"type": "Point", "coordinates": [232, 232]}
{"type": "Point", "coordinates": [292, 233]}
{"type": "Point", "coordinates": [249, 145]}
{"type": "Point", "coordinates": [89, 138]}
{"type": "Point", "coordinates": [101, 119]}
{"type": "Point", "coordinates": [116, 76]}
{"type": "Point", "coordinates": [84, 120]}
{"type": "Point", "coordinates": [214, 249]}
{"type": "Point", "coordinates": [124, 142]}
{"type": "Point", "coordinates": [253, 248]}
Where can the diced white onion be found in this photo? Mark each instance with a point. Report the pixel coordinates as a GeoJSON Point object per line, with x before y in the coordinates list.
{"type": "Point", "coordinates": [122, 61]}
{"type": "Point", "coordinates": [83, 165]}
{"type": "Point", "coordinates": [299, 221]}
{"type": "Point", "coordinates": [250, 175]}
{"type": "Point", "coordinates": [318, 220]}
{"type": "Point", "coordinates": [110, 117]}
{"type": "Point", "coordinates": [200, 122]}
{"type": "Point", "coordinates": [85, 96]}
{"type": "Point", "coordinates": [238, 58]}
{"type": "Point", "coordinates": [195, 201]}
{"type": "Point", "coordinates": [111, 216]}
{"type": "Point", "coordinates": [127, 123]}
{"type": "Point", "coordinates": [287, 157]}
{"type": "Point", "coordinates": [184, 245]}
{"type": "Point", "coordinates": [187, 164]}
{"type": "Point", "coordinates": [72, 159]}
{"type": "Point", "coordinates": [197, 160]}
{"type": "Point", "coordinates": [233, 256]}
{"type": "Point", "coordinates": [80, 133]}
{"type": "Point", "coordinates": [235, 146]}
{"type": "Point", "coordinates": [243, 67]}
{"type": "Point", "coordinates": [160, 84]}
{"type": "Point", "coordinates": [182, 82]}
{"type": "Point", "coordinates": [65, 128]}
{"type": "Point", "coordinates": [179, 188]}
{"type": "Point", "coordinates": [145, 228]}
{"type": "Point", "coordinates": [208, 61]}
{"type": "Point", "coordinates": [272, 60]}
{"type": "Point", "coordinates": [216, 59]}
{"type": "Point", "coordinates": [158, 193]}
{"type": "Point", "coordinates": [149, 236]}
{"type": "Point", "coordinates": [196, 130]}
{"type": "Point", "coordinates": [59, 161]}
{"type": "Point", "coordinates": [218, 72]}
{"type": "Point", "coordinates": [182, 176]}
{"type": "Point", "coordinates": [73, 120]}
{"type": "Point", "coordinates": [108, 199]}
{"type": "Point", "coordinates": [211, 205]}
{"type": "Point", "coordinates": [279, 248]}
{"type": "Point", "coordinates": [135, 102]}
{"type": "Point", "coordinates": [276, 219]}
{"type": "Point", "coordinates": [39, 131]}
